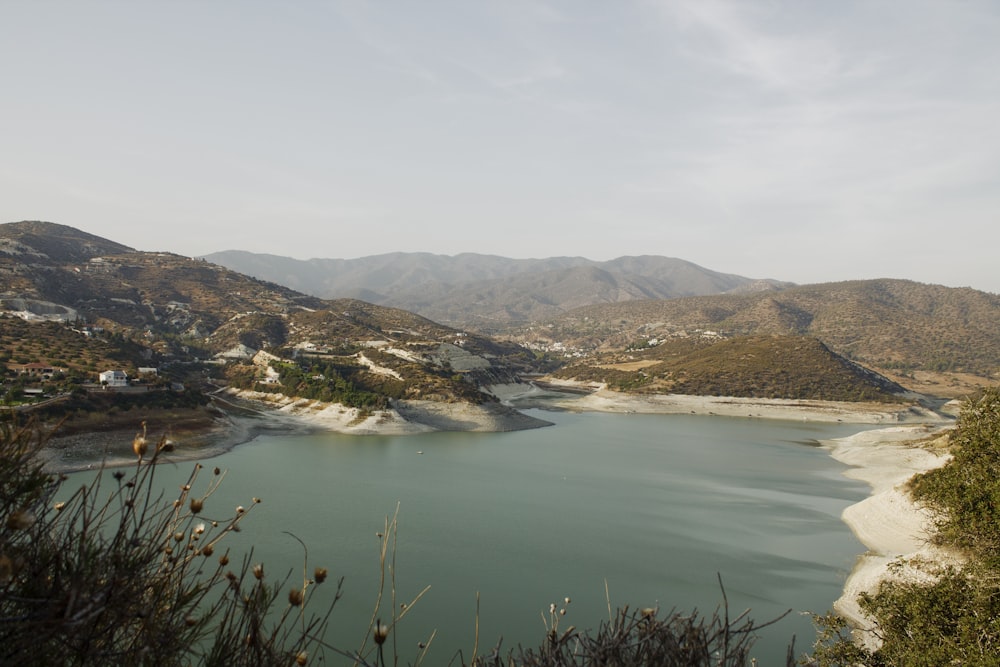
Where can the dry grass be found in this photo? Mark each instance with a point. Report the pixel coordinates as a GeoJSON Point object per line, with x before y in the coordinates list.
{"type": "Point", "coordinates": [114, 574]}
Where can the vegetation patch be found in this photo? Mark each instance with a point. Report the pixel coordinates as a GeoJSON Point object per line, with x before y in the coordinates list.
{"type": "Point", "coordinates": [788, 367]}
{"type": "Point", "coordinates": [952, 616]}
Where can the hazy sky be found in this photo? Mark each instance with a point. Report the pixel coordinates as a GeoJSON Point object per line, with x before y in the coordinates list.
{"type": "Point", "coordinates": [802, 140]}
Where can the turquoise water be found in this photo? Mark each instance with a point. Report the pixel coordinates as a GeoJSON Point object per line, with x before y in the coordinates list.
{"type": "Point", "coordinates": [655, 507]}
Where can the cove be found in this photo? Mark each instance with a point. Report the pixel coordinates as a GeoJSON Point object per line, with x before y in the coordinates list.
{"type": "Point", "coordinates": [654, 507]}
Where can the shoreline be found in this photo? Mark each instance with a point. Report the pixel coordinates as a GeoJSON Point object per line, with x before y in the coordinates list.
{"type": "Point", "coordinates": [888, 522]}
{"type": "Point", "coordinates": [601, 399]}
{"type": "Point", "coordinates": [247, 415]}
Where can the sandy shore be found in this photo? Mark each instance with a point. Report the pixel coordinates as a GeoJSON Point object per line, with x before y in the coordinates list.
{"type": "Point", "coordinates": [601, 399]}
{"type": "Point", "coordinates": [888, 522]}
{"type": "Point", "coordinates": [113, 448]}
{"type": "Point", "coordinates": [245, 415]}
{"type": "Point", "coordinates": [404, 417]}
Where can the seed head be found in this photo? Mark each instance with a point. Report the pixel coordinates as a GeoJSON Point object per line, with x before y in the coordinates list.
{"type": "Point", "coordinates": [21, 519]}
{"type": "Point", "coordinates": [139, 442]}
{"type": "Point", "coordinates": [380, 632]}
{"type": "Point", "coordinates": [301, 658]}
{"type": "Point", "coordinates": [319, 575]}
{"type": "Point", "coordinates": [258, 570]}
{"type": "Point", "coordinates": [296, 597]}
{"type": "Point", "coordinates": [6, 569]}
{"type": "Point", "coordinates": [197, 504]}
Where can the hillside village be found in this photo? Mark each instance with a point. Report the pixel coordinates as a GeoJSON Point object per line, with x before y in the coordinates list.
{"type": "Point", "coordinates": [85, 313]}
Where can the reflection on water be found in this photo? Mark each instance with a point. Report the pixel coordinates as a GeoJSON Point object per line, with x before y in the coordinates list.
{"type": "Point", "coordinates": [655, 507]}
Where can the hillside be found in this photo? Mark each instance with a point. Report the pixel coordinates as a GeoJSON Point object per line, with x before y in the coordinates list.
{"type": "Point", "coordinates": [792, 367]}
{"type": "Point", "coordinates": [125, 308]}
{"type": "Point", "coordinates": [133, 308]}
{"type": "Point", "coordinates": [487, 292]}
{"type": "Point", "coordinates": [894, 325]}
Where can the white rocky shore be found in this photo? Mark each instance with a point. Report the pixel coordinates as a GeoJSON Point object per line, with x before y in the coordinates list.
{"type": "Point", "coordinates": [403, 417]}
{"type": "Point", "coordinates": [598, 398]}
{"type": "Point", "coordinates": [888, 522]}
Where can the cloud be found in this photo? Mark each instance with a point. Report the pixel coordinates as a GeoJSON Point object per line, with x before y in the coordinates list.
{"type": "Point", "coordinates": [744, 40]}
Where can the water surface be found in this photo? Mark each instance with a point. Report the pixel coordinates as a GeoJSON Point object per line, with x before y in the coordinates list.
{"type": "Point", "coordinates": [655, 507]}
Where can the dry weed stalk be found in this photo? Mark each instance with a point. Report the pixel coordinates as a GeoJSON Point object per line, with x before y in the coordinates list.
{"type": "Point", "coordinates": [120, 575]}
{"type": "Point", "coordinates": [378, 631]}
{"type": "Point", "coordinates": [640, 637]}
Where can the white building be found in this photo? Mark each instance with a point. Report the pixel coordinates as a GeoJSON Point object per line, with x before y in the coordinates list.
{"type": "Point", "coordinates": [114, 378]}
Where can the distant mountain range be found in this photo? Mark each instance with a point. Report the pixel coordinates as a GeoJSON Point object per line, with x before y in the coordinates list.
{"type": "Point", "coordinates": [487, 292]}
{"type": "Point", "coordinates": [170, 307]}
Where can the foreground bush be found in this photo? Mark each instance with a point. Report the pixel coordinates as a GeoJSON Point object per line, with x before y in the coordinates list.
{"type": "Point", "coordinates": [118, 575]}
{"type": "Point", "coordinates": [643, 637]}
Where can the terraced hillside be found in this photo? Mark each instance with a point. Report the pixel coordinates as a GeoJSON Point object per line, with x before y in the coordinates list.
{"type": "Point", "coordinates": [887, 324]}
{"type": "Point", "coordinates": [175, 308]}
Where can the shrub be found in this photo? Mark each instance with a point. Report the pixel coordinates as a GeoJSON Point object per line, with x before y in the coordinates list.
{"type": "Point", "coordinates": [953, 615]}
{"type": "Point", "coordinates": [115, 576]}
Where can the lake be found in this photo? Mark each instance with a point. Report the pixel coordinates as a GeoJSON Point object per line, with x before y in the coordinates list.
{"type": "Point", "coordinates": [654, 507]}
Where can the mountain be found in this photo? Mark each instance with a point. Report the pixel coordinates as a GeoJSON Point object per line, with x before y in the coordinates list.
{"type": "Point", "coordinates": [173, 308]}
{"type": "Point", "coordinates": [885, 324]}
{"type": "Point", "coordinates": [487, 292]}
{"type": "Point", "coordinates": [35, 240]}
{"type": "Point", "coordinates": [154, 309]}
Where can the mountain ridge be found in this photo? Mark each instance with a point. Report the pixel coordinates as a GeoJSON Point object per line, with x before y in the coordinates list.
{"type": "Point", "coordinates": [486, 291]}
{"type": "Point", "coordinates": [176, 307]}
{"type": "Point", "coordinates": [886, 324]}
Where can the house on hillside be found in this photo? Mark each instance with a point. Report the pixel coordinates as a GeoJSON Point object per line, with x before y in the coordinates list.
{"type": "Point", "coordinates": [114, 379]}
{"type": "Point", "coordinates": [44, 371]}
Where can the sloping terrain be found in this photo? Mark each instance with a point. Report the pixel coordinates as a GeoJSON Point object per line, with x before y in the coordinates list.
{"type": "Point", "coordinates": [149, 309]}
{"type": "Point", "coordinates": [795, 367]}
{"type": "Point", "coordinates": [886, 324]}
{"type": "Point", "coordinates": [173, 308]}
{"type": "Point", "coordinates": [486, 292]}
